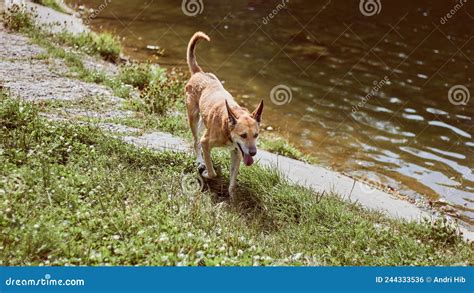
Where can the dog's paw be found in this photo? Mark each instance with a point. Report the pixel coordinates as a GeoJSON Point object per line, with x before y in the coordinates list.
{"type": "Point", "coordinates": [209, 175]}
{"type": "Point", "coordinates": [201, 167]}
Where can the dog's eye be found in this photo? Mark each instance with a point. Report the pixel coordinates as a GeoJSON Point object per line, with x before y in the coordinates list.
{"type": "Point", "coordinates": [243, 135]}
{"type": "Point", "coordinates": [255, 135]}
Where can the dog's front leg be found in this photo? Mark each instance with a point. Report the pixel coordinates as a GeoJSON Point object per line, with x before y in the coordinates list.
{"type": "Point", "coordinates": [209, 173]}
{"type": "Point", "coordinates": [234, 170]}
{"type": "Point", "coordinates": [200, 159]}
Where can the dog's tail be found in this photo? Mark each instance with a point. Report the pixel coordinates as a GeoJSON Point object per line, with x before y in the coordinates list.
{"type": "Point", "coordinates": [191, 56]}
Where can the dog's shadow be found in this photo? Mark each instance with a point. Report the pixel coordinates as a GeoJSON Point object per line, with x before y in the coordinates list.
{"type": "Point", "coordinates": [245, 202]}
{"type": "Point", "coordinates": [219, 188]}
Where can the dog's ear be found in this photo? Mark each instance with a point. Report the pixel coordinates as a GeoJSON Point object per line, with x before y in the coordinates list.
{"type": "Point", "coordinates": [230, 114]}
{"type": "Point", "coordinates": [257, 114]}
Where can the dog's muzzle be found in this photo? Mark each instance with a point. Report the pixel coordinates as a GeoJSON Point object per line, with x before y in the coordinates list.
{"type": "Point", "coordinates": [248, 160]}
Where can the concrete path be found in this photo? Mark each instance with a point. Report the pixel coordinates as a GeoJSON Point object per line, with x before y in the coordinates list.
{"type": "Point", "coordinates": [47, 17]}
{"type": "Point", "coordinates": [323, 180]}
{"type": "Point", "coordinates": [56, 21]}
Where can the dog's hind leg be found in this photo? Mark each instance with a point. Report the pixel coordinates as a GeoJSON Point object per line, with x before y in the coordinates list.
{"type": "Point", "coordinates": [194, 123]}
{"type": "Point", "coordinates": [209, 173]}
{"type": "Point", "coordinates": [200, 159]}
{"type": "Point", "coordinates": [234, 169]}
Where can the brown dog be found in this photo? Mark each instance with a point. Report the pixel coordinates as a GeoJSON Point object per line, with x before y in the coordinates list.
{"type": "Point", "coordinates": [226, 124]}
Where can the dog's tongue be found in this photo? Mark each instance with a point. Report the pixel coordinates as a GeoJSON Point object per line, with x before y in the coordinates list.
{"type": "Point", "coordinates": [248, 160]}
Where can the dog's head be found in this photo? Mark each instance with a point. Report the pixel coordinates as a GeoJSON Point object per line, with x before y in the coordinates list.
{"type": "Point", "coordinates": [244, 131]}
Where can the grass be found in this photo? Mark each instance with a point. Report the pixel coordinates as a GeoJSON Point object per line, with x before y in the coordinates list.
{"type": "Point", "coordinates": [70, 194]}
{"type": "Point", "coordinates": [16, 19]}
{"type": "Point", "coordinates": [105, 45]}
{"type": "Point", "coordinates": [139, 75]}
{"type": "Point", "coordinates": [278, 145]}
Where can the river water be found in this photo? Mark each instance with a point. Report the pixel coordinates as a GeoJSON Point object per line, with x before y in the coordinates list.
{"type": "Point", "coordinates": [386, 97]}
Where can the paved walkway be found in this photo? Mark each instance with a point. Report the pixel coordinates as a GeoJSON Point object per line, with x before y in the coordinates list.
{"type": "Point", "coordinates": [46, 16]}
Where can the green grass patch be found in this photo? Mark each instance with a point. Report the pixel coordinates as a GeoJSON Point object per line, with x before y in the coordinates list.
{"type": "Point", "coordinates": [161, 103]}
{"type": "Point", "coordinates": [278, 145]}
{"type": "Point", "coordinates": [104, 44]}
{"type": "Point", "coordinates": [70, 194]}
{"type": "Point", "coordinates": [161, 91]}
{"type": "Point", "coordinates": [18, 19]}
{"type": "Point", "coordinates": [164, 94]}
{"type": "Point", "coordinates": [139, 75]}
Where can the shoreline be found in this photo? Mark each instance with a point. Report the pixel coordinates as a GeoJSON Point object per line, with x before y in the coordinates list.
{"type": "Point", "coordinates": [317, 178]}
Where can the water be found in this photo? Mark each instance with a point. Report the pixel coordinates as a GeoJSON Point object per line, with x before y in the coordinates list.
{"type": "Point", "coordinates": [327, 58]}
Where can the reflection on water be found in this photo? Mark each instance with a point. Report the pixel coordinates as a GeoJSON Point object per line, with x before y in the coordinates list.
{"type": "Point", "coordinates": [369, 95]}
